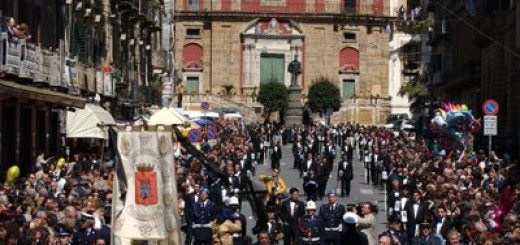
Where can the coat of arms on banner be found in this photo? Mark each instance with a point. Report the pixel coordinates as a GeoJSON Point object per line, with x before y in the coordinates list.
{"type": "Point", "coordinates": [145, 185]}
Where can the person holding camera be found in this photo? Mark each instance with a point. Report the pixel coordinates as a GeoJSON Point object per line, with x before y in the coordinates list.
{"type": "Point", "coordinates": [275, 187]}
{"type": "Point", "coordinates": [367, 222]}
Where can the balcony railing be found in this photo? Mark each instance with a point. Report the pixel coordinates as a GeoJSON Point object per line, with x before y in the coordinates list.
{"type": "Point", "coordinates": [46, 67]}
{"type": "Point", "coordinates": [307, 9]}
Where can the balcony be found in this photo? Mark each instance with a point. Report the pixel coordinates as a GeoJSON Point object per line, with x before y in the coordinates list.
{"type": "Point", "coordinates": [37, 66]}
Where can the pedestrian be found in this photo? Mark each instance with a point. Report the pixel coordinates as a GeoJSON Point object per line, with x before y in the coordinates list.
{"type": "Point", "coordinates": [345, 175]}
{"type": "Point", "coordinates": [275, 186]}
{"type": "Point", "coordinates": [202, 217]}
{"type": "Point", "coordinates": [291, 211]}
{"type": "Point", "coordinates": [367, 222]}
{"type": "Point", "coordinates": [351, 235]}
{"type": "Point", "coordinates": [310, 226]}
{"type": "Point", "coordinates": [331, 214]}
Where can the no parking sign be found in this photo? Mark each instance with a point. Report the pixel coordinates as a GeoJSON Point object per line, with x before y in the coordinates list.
{"type": "Point", "coordinates": [212, 132]}
{"type": "Point", "coordinates": [194, 135]}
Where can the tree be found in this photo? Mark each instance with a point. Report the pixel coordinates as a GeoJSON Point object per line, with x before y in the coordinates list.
{"type": "Point", "coordinates": [324, 94]}
{"type": "Point", "coordinates": [273, 96]}
{"type": "Point", "coordinates": [417, 93]}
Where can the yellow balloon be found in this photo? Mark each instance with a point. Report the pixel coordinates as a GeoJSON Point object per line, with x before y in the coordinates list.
{"type": "Point", "coordinates": [12, 173]}
{"type": "Point", "coordinates": [60, 163]}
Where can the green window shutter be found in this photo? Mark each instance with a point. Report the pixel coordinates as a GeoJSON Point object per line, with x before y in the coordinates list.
{"type": "Point", "coordinates": [79, 43]}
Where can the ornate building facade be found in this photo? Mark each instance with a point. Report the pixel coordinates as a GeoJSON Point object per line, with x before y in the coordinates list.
{"type": "Point", "coordinates": [245, 43]}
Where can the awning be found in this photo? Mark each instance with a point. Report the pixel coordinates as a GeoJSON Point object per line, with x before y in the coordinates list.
{"type": "Point", "coordinates": [196, 114]}
{"type": "Point", "coordinates": [12, 89]}
{"type": "Point", "coordinates": [91, 122]}
{"type": "Point", "coordinates": [167, 116]}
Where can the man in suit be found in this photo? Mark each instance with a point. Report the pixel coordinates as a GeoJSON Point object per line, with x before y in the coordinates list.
{"type": "Point", "coordinates": [348, 149]}
{"type": "Point", "coordinates": [368, 161]}
{"type": "Point", "coordinates": [416, 211]}
{"type": "Point", "coordinates": [345, 175]}
{"type": "Point", "coordinates": [291, 211]}
{"type": "Point", "coordinates": [394, 199]}
{"type": "Point", "coordinates": [298, 152]}
{"type": "Point", "coordinates": [276, 155]}
{"type": "Point", "coordinates": [425, 236]}
{"type": "Point", "coordinates": [330, 154]}
{"type": "Point", "coordinates": [442, 224]}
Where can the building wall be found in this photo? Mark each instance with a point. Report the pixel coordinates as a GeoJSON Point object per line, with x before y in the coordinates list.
{"type": "Point", "coordinates": [222, 57]}
{"type": "Point", "coordinates": [232, 46]}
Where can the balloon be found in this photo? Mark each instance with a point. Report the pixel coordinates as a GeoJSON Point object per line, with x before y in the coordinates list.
{"type": "Point", "coordinates": [12, 173]}
{"type": "Point", "coordinates": [60, 163]}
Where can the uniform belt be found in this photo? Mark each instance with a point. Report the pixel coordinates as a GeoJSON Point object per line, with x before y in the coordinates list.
{"type": "Point", "coordinates": [313, 239]}
{"type": "Point", "coordinates": [208, 225]}
{"type": "Point", "coordinates": [333, 228]}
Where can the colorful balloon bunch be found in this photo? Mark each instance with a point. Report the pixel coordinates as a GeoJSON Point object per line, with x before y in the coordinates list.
{"type": "Point", "coordinates": [454, 123]}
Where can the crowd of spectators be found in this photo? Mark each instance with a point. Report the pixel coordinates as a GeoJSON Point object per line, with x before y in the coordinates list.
{"type": "Point", "coordinates": [432, 194]}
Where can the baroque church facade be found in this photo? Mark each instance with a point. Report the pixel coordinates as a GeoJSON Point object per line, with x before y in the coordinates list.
{"type": "Point", "coordinates": [244, 43]}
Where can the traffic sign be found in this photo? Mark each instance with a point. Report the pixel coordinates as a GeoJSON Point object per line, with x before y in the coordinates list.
{"type": "Point", "coordinates": [490, 125]}
{"type": "Point", "coordinates": [490, 107]}
{"type": "Point", "coordinates": [212, 132]}
{"type": "Point", "coordinates": [204, 105]}
{"type": "Point", "coordinates": [194, 135]}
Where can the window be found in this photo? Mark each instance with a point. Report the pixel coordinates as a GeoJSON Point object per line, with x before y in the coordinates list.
{"type": "Point", "coordinates": [350, 7]}
{"type": "Point", "coordinates": [193, 5]}
{"type": "Point", "coordinates": [193, 33]}
{"type": "Point", "coordinates": [349, 37]}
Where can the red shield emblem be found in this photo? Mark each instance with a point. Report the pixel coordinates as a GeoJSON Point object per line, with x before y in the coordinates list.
{"type": "Point", "coordinates": [145, 187]}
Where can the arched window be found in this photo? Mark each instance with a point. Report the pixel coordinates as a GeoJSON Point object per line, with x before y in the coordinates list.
{"type": "Point", "coordinates": [349, 59]}
{"type": "Point", "coordinates": [192, 56]}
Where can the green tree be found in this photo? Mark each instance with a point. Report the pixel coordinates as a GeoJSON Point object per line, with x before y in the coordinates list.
{"type": "Point", "coordinates": [324, 94]}
{"type": "Point", "coordinates": [273, 96]}
{"type": "Point", "coordinates": [417, 93]}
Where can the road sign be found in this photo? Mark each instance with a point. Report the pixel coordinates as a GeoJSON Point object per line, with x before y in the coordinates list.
{"type": "Point", "coordinates": [490, 107]}
{"type": "Point", "coordinates": [212, 132]}
{"type": "Point", "coordinates": [194, 135]}
{"type": "Point", "coordinates": [204, 105]}
{"type": "Point", "coordinates": [490, 125]}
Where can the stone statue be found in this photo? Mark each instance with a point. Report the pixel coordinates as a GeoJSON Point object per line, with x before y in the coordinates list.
{"type": "Point", "coordinates": [295, 70]}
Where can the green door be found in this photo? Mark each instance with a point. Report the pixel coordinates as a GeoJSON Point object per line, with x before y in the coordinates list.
{"type": "Point", "coordinates": [272, 68]}
{"type": "Point", "coordinates": [349, 88]}
{"type": "Point", "coordinates": [192, 85]}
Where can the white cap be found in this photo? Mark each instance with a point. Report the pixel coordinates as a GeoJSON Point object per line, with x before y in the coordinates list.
{"type": "Point", "coordinates": [233, 201]}
{"type": "Point", "coordinates": [311, 205]}
{"type": "Point", "coordinates": [350, 218]}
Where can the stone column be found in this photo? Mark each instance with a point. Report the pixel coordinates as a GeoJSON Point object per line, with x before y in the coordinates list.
{"type": "Point", "coordinates": [34, 131]}
{"type": "Point", "coordinates": [47, 122]}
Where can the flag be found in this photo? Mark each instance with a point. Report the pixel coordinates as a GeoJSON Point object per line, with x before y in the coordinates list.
{"type": "Point", "coordinates": [120, 170]}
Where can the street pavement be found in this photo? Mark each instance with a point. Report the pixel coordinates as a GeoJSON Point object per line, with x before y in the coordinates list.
{"type": "Point", "coordinates": [360, 191]}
